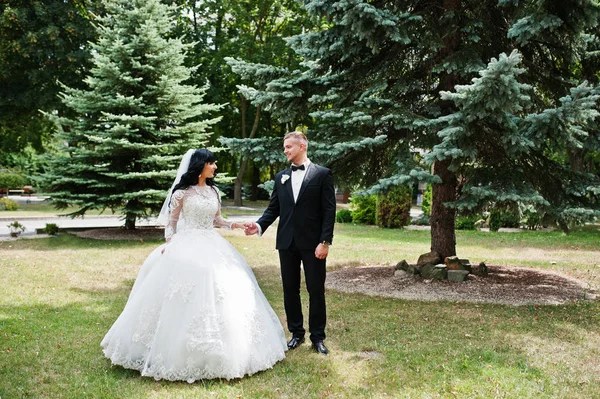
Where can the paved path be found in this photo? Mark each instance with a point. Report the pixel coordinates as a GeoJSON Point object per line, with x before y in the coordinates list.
{"type": "Point", "coordinates": [32, 223]}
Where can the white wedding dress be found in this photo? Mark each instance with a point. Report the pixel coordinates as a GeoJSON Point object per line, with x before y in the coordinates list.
{"type": "Point", "coordinates": [196, 311]}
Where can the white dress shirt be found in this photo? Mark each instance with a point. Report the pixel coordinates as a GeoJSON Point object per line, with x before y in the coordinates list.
{"type": "Point", "coordinates": [297, 178]}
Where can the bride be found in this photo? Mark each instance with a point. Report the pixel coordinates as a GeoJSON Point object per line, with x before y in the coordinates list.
{"type": "Point", "coordinates": [195, 310]}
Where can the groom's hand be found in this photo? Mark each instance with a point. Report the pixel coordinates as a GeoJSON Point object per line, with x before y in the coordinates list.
{"type": "Point", "coordinates": [250, 228]}
{"type": "Point", "coordinates": [322, 251]}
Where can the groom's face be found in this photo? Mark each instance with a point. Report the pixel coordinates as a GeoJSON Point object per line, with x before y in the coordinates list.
{"type": "Point", "coordinates": [294, 150]}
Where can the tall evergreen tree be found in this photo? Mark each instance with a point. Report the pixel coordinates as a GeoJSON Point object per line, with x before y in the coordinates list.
{"type": "Point", "coordinates": [505, 155]}
{"type": "Point", "coordinates": [377, 69]}
{"type": "Point", "coordinates": [135, 120]}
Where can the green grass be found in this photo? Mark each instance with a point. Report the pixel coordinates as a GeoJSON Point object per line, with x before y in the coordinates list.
{"type": "Point", "coordinates": [60, 295]}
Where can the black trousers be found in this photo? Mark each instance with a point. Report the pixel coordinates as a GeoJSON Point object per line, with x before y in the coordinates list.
{"type": "Point", "coordinates": [314, 274]}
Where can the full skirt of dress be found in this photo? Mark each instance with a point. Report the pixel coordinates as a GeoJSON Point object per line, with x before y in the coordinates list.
{"type": "Point", "coordinates": [196, 312]}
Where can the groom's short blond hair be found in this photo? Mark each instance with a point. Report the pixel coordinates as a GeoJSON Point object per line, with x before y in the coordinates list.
{"type": "Point", "coordinates": [298, 136]}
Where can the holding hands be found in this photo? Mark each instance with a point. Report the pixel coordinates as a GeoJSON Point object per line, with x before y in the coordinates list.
{"type": "Point", "coordinates": [250, 228]}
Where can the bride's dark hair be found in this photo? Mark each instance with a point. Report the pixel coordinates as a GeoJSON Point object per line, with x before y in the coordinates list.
{"type": "Point", "coordinates": [197, 163]}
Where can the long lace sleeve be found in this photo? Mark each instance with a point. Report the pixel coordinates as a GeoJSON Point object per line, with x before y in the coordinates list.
{"type": "Point", "coordinates": [174, 212]}
{"type": "Point", "coordinates": [219, 221]}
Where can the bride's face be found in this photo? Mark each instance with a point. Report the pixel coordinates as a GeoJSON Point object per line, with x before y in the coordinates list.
{"type": "Point", "coordinates": [209, 170]}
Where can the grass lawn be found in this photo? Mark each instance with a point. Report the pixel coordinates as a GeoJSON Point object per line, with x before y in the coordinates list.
{"type": "Point", "coordinates": [60, 295]}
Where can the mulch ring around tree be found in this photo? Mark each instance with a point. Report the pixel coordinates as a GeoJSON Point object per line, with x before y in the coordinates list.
{"type": "Point", "coordinates": [119, 233]}
{"type": "Point", "coordinates": [504, 285]}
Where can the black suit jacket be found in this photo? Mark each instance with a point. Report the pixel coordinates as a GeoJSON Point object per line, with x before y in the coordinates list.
{"type": "Point", "coordinates": [309, 221]}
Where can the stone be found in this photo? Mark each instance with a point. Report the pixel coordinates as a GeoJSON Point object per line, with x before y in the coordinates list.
{"type": "Point", "coordinates": [402, 265]}
{"type": "Point", "coordinates": [453, 263]}
{"type": "Point", "coordinates": [440, 272]}
{"type": "Point", "coordinates": [426, 270]}
{"type": "Point", "coordinates": [413, 270]}
{"type": "Point", "coordinates": [481, 269]}
{"type": "Point", "coordinates": [466, 265]}
{"type": "Point", "coordinates": [402, 274]}
{"type": "Point", "coordinates": [431, 257]}
{"type": "Point", "coordinates": [457, 276]}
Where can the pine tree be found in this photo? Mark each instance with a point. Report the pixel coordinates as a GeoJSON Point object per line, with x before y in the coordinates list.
{"type": "Point", "coordinates": [377, 70]}
{"type": "Point", "coordinates": [504, 154]}
{"type": "Point", "coordinates": [134, 121]}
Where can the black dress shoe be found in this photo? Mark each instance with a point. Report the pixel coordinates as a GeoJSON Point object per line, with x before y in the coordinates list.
{"type": "Point", "coordinates": [320, 347]}
{"type": "Point", "coordinates": [295, 342]}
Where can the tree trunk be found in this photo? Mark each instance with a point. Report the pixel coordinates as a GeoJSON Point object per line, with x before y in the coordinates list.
{"type": "Point", "coordinates": [130, 219]}
{"type": "Point", "coordinates": [237, 186]}
{"type": "Point", "coordinates": [577, 159]}
{"type": "Point", "coordinates": [443, 237]}
{"type": "Point", "coordinates": [255, 183]}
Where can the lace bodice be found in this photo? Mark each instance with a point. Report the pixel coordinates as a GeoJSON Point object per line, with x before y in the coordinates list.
{"type": "Point", "coordinates": [198, 206]}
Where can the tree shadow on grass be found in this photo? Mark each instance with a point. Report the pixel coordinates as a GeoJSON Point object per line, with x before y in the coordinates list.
{"type": "Point", "coordinates": [55, 350]}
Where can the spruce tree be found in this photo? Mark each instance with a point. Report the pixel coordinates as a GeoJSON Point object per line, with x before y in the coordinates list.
{"type": "Point", "coordinates": [134, 121]}
{"type": "Point", "coordinates": [377, 70]}
{"type": "Point", "coordinates": [505, 154]}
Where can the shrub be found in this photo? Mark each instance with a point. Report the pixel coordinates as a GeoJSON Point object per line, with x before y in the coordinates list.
{"type": "Point", "coordinates": [466, 222]}
{"type": "Point", "coordinates": [364, 208]}
{"type": "Point", "coordinates": [426, 205]}
{"type": "Point", "coordinates": [6, 204]}
{"type": "Point", "coordinates": [495, 220]}
{"type": "Point", "coordinates": [16, 228]}
{"type": "Point", "coordinates": [504, 218]}
{"type": "Point", "coordinates": [51, 229]}
{"type": "Point", "coordinates": [10, 180]}
{"type": "Point", "coordinates": [393, 207]}
{"type": "Point", "coordinates": [343, 216]}
{"type": "Point", "coordinates": [532, 218]}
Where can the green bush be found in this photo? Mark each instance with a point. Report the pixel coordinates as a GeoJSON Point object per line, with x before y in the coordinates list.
{"type": "Point", "coordinates": [426, 205]}
{"type": "Point", "coordinates": [494, 221]}
{"type": "Point", "coordinates": [51, 229]}
{"type": "Point", "coordinates": [364, 208]}
{"type": "Point", "coordinates": [466, 222]}
{"type": "Point", "coordinates": [504, 218]}
{"type": "Point", "coordinates": [10, 180]}
{"type": "Point", "coordinates": [393, 207]}
{"type": "Point", "coordinates": [533, 218]}
{"type": "Point", "coordinates": [16, 228]}
{"type": "Point", "coordinates": [6, 204]}
{"type": "Point", "coordinates": [343, 216]}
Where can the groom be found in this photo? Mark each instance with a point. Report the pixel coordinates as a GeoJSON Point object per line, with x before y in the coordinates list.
{"type": "Point", "coordinates": [304, 201]}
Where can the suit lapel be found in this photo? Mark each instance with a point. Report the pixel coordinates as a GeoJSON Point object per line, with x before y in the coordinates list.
{"type": "Point", "coordinates": [288, 185]}
{"type": "Point", "coordinates": [310, 171]}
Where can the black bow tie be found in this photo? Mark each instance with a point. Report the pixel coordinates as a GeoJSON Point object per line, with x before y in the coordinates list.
{"type": "Point", "coordinates": [295, 168]}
